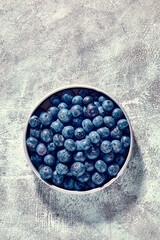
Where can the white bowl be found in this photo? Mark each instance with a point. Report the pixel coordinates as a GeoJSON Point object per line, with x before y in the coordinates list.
{"type": "Point", "coordinates": [45, 105]}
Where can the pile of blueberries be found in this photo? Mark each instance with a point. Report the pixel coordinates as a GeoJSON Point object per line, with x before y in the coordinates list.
{"type": "Point", "coordinates": [80, 142]}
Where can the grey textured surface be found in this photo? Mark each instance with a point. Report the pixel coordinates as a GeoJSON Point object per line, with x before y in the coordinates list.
{"type": "Point", "coordinates": [112, 45]}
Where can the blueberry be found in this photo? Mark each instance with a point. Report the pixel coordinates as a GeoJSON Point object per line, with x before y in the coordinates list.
{"type": "Point", "coordinates": [77, 169]}
{"type": "Point", "coordinates": [117, 113]}
{"type": "Point", "coordinates": [123, 150]}
{"type": "Point", "coordinates": [49, 160]}
{"type": "Point", "coordinates": [87, 125]}
{"type": "Point", "coordinates": [68, 132]}
{"type": "Point", "coordinates": [64, 156]}
{"type": "Point", "coordinates": [46, 172]}
{"type": "Point", "coordinates": [62, 105]}
{"type": "Point", "coordinates": [122, 123]}
{"type": "Point", "coordinates": [57, 179]}
{"type": "Point", "coordinates": [92, 153]}
{"type": "Point", "coordinates": [84, 177]}
{"type": "Point", "coordinates": [57, 126]}
{"type": "Point", "coordinates": [55, 100]}
{"type": "Point", "coordinates": [68, 183]}
{"type": "Point", "coordinates": [51, 147]}
{"type": "Point", "coordinates": [34, 121]}
{"type": "Point", "coordinates": [119, 159]}
{"type": "Point", "coordinates": [79, 157]}
{"type": "Point", "coordinates": [89, 165]}
{"type": "Point", "coordinates": [101, 99]}
{"type": "Point", "coordinates": [65, 115]}
{"type": "Point", "coordinates": [67, 96]}
{"type": "Point", "coordinates": [53, 111]}
{"type": "Point", "coordinates": [125, 140]}
{"type": "Point", "coordinates": [79, 185]}
{"type": "Point", "coordinates": [35, 132]}
{"type": "Point", "coordinates": [83, 92]}
{"type": "Point", "coordinates": [97, 104]}
{"type": "Point", "coordinates": [45, 118]}
{"type": "Point", "coordinates": [103, 132]}
{"type": "Point", "coordinates": [98, 178]}
{"type": "Point", "coordinates": [77, 100]}
{"type": "Point", "coordinates": [31, 143]}
{"type": "Point", "coordinates": [116, 133]}
{"type": "Point", "coordinates": [86, 143]}
{"type": "Point", "coordinates": [61, 169]}
{"type": "Point", "coordinates": [106, 146]}
{"type": "Point", "coordinates": [58, 140]}
{"type": "Point", "coordinates": [98, 121]}
{"type": "Point", "coordinates": [40, 166]}
{"type": "Point", "coordinates": [41, 149]}
{"type": "Point", "coordinates": [69, 174]}
{"type": "Point", "coordinates": [46, 135]}
{"type": "Point", "coordinates": [36, 159]}
{"type": "Point", "coordinates": [79, 145]}
{"type": "Point", "coordinates": [76, 110]}
{"type": "Point", "coordinates": [94, 95]}
{"type": "Point", "coordinates": [77, 122]}
{"type": "Point", "coordinates": [108, 157]}
{"type": "Point", "coordinates": [70, 145]}
{"type": "Point", "coordinates": [79, 133]}
{"type": "Point", "coordinates": [109, 121]}
{"type": "Point", "coordinates": [101, 111]}
{"type": "Point", "coordinates": [91, 184]}
{"type": "Point", "coordinates": [116, 146]}
{"type": "Point", "coordinates": [91, 110]}
{"type": "Point", "coordinates": [94, 136]}
{"type": "Point", "coordinates": [87, 100]}
{"type": "Point", "coordinates": [101, 166]}
{"type": "Point", "coordinates": [113, 169]}
{"type": "Point", "coordinates": [108, 105]}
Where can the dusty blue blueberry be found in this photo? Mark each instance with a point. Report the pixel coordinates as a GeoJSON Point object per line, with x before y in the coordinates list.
{"type": "Point", "coordinates": [93, 152]}
{"type": "Point", "coordinates": [122, 123]}
{"type": "Point", "coordinates": [62, 105]}
{"type": "Point", "coordinates": [106, 146]}
{"type": "Point", "coordinates": [91, 184]}
{"type": "Point", "coordinates": [101, 166]}
{"type": "Point", "coordinates": [41, 149]}
{"type": "Point", "coordinates": [36, 159]}
{"type": "Point", "coordinates": [97, 103]}
{"type": "Point", "coordinates": [89, 165]}
{"type": "Point", "coordinates": [83, 92]}
{"type": "Point", "coordinates": [86, 143]}
{"type": "Point", "coordinates": [103, 132]}
{"type": "Point", "coordinates": [77, 169]}
{"type": "Point", "coordinates": [68, 132]}
{"type": "Point", "coordinates": [77, 100]}
{"type": "Point", "coordinates": [40, 166]}
{"type": "Point", "coordinates": [101, 111]}
{"type": "Point", "coordinates": [125, 140]}
{"type": "Point", "coordinates": [65, 115]}
{"type": "Point", "coordinates": [123, 150]}
{"type": "Point", "coordinates": [94, 95]}
{"type": "Point", "coordinates": [108, 157]}
{"type": "Point", "coordinates": [46, 135]}
{"type": "Point", "coordinates": [70, 145]}
{"type": "Point", "coordinates": [76, 110]}
{"type": "Point", "coordinates": [117, 113]}
{"type": "Point", "coordinates": [116, 133]}
{"type": "Point", "coordinates": [46, 172]}
{"type": "Point", "coordinates": [45, 118]}
{"type": "Point", "coordinates": [119, 159]}
{"type": "Point", "coordinates": [35, 132]}
{"type": "Point", "coordinates": [34, 121]}
{"type": "Point", "coordinates": [94, 136]}
{"type": "Point", "coordinates": [61, 169]}
{"type": "Point", "coordinates": [116, 146]}
{"type": "Point", "coordinates": [87, 125]}
{"type": "Point", "coordinates": [109, 121]}
{"type": "Point", "coordinates": [57, 179]}
{"type": "Point", "coordinates": [31, 143]}
{"type": "Point", "coordinates": [77, 122]}
{"type": "Point", "coordinates": [113, 169]}
{"type": "Point", "coordinates": [55, 100]}
{"type": "Point", "coordinates": [53, 111]}
{"type": "Point", "coordinates": [87, 100]}
{"type": "Point", "coordinates": [98, 178]}
{"type": "Point", "coordinates": [67, 96]}
{"type": "Point", "coordinates": [51, 147]}
{"type": "Point", "coordinates": [84, 177]}
{"type": "Point", "coordinates": [68, 183]}
{"type": "Point", "coordinates": [79, 145]}
{"type": "Point", "coordinates": [58, 140]}
{"type": "Point", "coordinates": [57, 126]}
{"type": "Point", "coordinates": [91, 110]}
{"type": "Point", "coordinates": [79, 133]}
{"type": "Point", "coordinates": [49, 160]}
{"type": "Point", "coordinates": [101, 99]}
{"type": "Point", "coordinates": [79, 185]}
{"type": "Point", "coordinates": [64, 156]}
{"type": "Point", "coordinates": [79, 157]}
{"type": "Point", "coordinates": [98, 121]}
{"type": "Point", "coordinates": [108, 105]}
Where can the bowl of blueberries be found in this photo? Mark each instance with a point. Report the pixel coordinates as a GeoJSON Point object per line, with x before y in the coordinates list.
{"type": "Point", "coordinates": [78, 139]}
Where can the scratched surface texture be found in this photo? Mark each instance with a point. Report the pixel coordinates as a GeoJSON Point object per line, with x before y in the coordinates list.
{"type": "Point", "coordinates": [112, 45]}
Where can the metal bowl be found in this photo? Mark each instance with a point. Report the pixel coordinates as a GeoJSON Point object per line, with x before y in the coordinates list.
{"type": "Point", "coordinates": [44, 102]}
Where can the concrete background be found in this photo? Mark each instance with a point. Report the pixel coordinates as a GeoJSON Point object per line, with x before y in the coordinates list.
{"type": "Point", "coordinates": [112, 45]}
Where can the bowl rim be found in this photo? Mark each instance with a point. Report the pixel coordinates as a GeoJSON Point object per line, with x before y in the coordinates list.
{"type": "Point", "coordinates": [75, 191]}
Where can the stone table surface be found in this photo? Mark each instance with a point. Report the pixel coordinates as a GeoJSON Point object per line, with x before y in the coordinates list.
{"type": "Point", "coordinates": [112, 45]}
